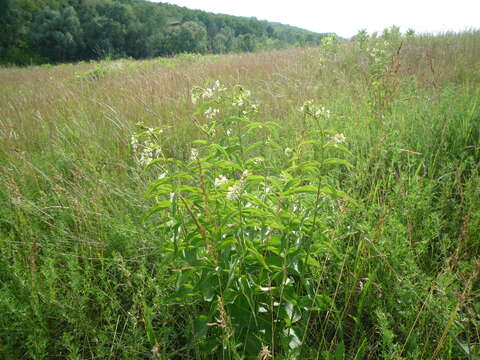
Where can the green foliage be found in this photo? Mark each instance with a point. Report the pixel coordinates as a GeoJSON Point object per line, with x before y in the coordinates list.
{"type": "Point", "coordinates": [58, 35]}
{"type": "Point", "coordinates": [188, 37]}
{"type": "Point", "coordinates": [246, 238]}
{"type": "Point", "coordinates": [36, 32]}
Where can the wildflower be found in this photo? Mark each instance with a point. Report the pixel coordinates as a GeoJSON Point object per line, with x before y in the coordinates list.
{"type": "Point", "coordinates": [322, 111]}
{"type": "Point", "coordinates": [146, 157]}
{"type": "Point", "coordinates": [210, 113]}
{"type": "Point", "coordinates": [258, 160]}
{"type": "Point", "coordinates": [339, 138]}
{"type": "Point", "coordinates": [235, 190]}
{"type": "Point", "coordinates": [134, 142]}
{"type": "Point", "coordinates": [221, 180]}
{"type": "Point", "coordinates": [218, 86]}
{"type": "Point", "coordinates": [229, 132]}
{"type": "Point", "coordinates": [306, 106]}
{"type": "Point", "coordinates": [150, 131]}
{"type": "Point", "coordinates": [207, 93]}
{"type": "Point", "coordinates": [194, 154]}
{"type": "Point", "coordinates": [288, 152]}
{"type": "Point", "coordinates": [264, 353]}
{"type": "Point", "coordinates": [238, 101]}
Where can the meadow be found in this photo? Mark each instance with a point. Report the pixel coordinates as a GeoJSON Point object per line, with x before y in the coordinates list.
{"type": "Point", "coordinates": [319, 203]}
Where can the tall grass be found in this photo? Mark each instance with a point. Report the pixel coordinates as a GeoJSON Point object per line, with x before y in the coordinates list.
{"type": "Point", "coordinates": [394, 244]}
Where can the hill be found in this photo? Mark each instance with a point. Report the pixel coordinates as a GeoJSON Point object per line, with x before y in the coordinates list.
{"type": "Point", "coordinates": [64, 31]}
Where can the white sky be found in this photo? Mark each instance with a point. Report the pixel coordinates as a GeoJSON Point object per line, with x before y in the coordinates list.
{"type": "Point", "coordinates": [346, 17]}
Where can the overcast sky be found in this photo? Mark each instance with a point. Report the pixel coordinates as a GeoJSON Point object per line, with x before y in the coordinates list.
{"type": "Point", "coordinates": [346, 17]}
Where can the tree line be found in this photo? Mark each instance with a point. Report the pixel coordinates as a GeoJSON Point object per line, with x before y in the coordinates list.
{"type": "Point", "coordinates": [53, 31]}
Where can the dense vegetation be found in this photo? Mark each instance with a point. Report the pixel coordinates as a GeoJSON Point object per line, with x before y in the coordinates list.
{"type": "Point", "coordinates": [319, 203]}
{"type": "Point", "coordinates": [39, 31]}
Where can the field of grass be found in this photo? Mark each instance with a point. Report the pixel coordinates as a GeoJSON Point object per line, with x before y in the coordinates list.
{"type": "Point", "coordinates": [330, 209]}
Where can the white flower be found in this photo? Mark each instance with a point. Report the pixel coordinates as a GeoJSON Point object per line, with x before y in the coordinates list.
{"type": "Point", "coordinates": [288, 152]}
{"type": "Point", "coordinates": [221, 180]}
{"type": "Point", "coordinates": [150, 131]}
{"type": "Point", "coordinates": [306, 105]}
{"type": "Point", "coordinates": [210, 113]}
{"type": "Point", "coordinates": [194, 154]}
{"type": "Point", "coordinates": [339, 138]}
{"type": "Point", "coordinates": [146, 157]}
{"type": "Point", "coordinates": [322, 111]}
{"type": "Point", "coordinates": [207, 93]}
{"type": "Point", "coordinates": [235, 190]}
{"type": "Point", "coordinates": [219, 87]}
{"type": "Point", "coordinates": [229, 132]}
{"type": "Point", "coordinates": [238, 101]}
{"type": "Point", "coordinates": [134, 142]}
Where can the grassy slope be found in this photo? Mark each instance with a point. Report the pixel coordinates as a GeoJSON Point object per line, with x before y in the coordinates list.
{"type": "Point", "coordinates": [82, 274]}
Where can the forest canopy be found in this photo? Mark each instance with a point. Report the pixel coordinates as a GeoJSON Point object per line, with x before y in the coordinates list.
{"type": "Point", "coordinates": [53, 31]}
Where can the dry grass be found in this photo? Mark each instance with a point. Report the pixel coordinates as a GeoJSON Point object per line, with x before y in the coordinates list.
{"type": "Point", "coordinates": [75, 206]}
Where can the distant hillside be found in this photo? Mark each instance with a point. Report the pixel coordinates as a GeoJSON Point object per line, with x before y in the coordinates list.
{"type": "Point", "coordinates": [39, 31]}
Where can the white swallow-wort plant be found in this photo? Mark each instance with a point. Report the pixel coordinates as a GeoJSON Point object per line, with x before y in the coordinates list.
{"type": "Point", "coordinates": [244, 237]}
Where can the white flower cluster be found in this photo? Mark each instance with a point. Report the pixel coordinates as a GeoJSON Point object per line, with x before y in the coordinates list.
{"type": "Point", "coordinates": [309, 108]}
{"type": "Point", "coordinates": [148, 151]}
{"type": "Point", "coordinates": [207, 93]}
{"type": "Point", "coordinates": [306, 106]}
{"type": "Point", "coordinates": [243, 100]}
{"type": "Point", "coordinates": [288, 152]}
{"type": "Point", "coordinates": [235, 190]}
{"type": "Point", "coordinates": [210, 113]}
{"type": "Point", "coordinates": [134, 142]}
{"type": "Point", "coordinates": [221, 180]}
{"type": "Point", "coordinates": [322, 111]}
{"type": "Point", "coordinates": [194, 154]}
{"type": "Point", "coordinates": [338, 138]}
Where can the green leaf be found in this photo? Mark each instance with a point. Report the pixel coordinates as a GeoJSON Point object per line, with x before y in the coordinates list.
{"type": "Point", "coordinates": [161, 205]}
{"type": "Point", "coordinates": [335, 161]}
{"type": "Point", "coordinates": [340, 351]}
{"type": "Point", "coordinates": [189, 189]}
{"type": "Point", "coordinates": [200, 326]}
{"type": "Point", "coordinates": [255, 145]}
{"type": "Point", "coordinates": [259, 257]}
{"type": "Point", "coordinates": [306, 189]}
